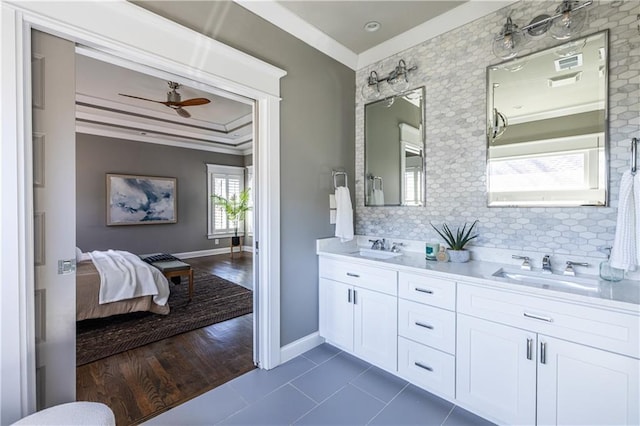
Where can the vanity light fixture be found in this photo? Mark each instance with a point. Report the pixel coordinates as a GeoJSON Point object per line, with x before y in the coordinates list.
{"type": "Point", "coordinates": [569, 18]}
{"type": "Point", "coordinates": [398, 80]}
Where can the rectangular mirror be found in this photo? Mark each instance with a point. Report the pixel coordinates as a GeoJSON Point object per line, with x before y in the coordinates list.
{"type": "Point", "coordinates": [547, 126]}
{"type": "Point", "coordinates": [394, 150]}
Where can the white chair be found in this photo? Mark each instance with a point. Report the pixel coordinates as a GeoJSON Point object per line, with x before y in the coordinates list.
{"type": "Point", "coordinates": [73, 413]}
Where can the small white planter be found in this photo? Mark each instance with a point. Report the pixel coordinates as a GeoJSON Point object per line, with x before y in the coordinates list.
{"type": "Point", "coordinates": [459, 256]}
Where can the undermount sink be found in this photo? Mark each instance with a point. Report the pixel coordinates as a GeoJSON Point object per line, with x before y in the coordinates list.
{"type": "Point", "coordinates": [378, 254]}
{"type": "Point", "coordinates": [552, 281]}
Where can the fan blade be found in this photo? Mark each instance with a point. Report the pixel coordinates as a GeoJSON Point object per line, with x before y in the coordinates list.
{"type": "Point", "coordinates": [182, 112]}
{"type": "Point", "coordinates": [144, 99]}
{"type": "Point", "coordinates": [193, 102]}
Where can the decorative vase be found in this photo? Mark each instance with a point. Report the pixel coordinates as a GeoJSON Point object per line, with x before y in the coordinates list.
{"type": "Point", "coordinates": [235, 241]}
{"type": "Point", "coordinates": [459, 256]}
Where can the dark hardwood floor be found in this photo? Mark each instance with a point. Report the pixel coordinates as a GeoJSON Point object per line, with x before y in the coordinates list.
{"type": "Point", "coordinates": [143, 382]}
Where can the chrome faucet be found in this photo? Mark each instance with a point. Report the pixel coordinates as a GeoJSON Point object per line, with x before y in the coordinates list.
{"type": "Point", "coordinates": [546, 264]}
{"type": "Point", "coordinates": [395, 248]}
{"type": "Point", "coordinates": [526, 261]}
{"type": "Point", "coordinates": [378, 244]}
{"type": "Point", "coordinates": [569, 269]}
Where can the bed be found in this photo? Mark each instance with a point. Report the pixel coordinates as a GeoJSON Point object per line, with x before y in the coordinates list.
{"type": "Point", "coordinates": [88, 294]}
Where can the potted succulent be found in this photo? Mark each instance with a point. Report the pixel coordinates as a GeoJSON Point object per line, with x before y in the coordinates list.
{"type": "Point", "coordinates": [236, 208]}
{"type": "Point", "coordinates": [457, 241]}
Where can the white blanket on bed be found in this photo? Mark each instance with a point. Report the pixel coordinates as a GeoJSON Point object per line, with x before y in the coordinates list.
{"type": "Point", "coordinates": [124, 275]}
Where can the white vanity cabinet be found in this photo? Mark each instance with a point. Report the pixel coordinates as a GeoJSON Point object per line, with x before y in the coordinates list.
{"type": "Point", "coordinates": [426, 332]}
{"type": "Point", "coordinates": [526, 360]}
{"type": "Point", "coordinates": [359, 310]}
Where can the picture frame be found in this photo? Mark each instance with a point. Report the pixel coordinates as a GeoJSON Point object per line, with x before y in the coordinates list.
{"type": "Point", "coordinates": [141, 200]}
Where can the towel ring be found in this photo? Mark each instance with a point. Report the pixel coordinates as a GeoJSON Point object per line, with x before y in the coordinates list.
{"type": "Point", "coordinates": [335, 178]}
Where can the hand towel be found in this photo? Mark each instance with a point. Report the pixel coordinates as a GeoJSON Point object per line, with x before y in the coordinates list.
{"type": "Point", "coordinates": [624, 253]}
{"type": "Point", "coordinates": [344, 214]}
{"type": "Point", "coordinates": [378, 197]}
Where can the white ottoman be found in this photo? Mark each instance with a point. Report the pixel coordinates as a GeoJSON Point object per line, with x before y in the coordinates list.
{"type": "Point", "coordinates": [72, 413]}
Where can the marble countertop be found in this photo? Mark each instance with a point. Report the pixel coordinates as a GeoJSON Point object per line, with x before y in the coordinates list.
{"type": "Point", "coordinates": [623, 295]}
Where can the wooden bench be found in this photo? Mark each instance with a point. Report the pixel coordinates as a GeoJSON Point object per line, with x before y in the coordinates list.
{"type": "Point", "coordinates": [172, 268]}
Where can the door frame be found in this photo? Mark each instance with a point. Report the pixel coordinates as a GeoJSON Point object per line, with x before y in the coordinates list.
{"type": "Point", "coordinates": [146, 38]}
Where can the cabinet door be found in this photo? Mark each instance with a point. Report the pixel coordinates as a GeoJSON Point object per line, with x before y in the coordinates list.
{"type": "Point", "coordinates": [376, 328]}
{"type": "Point", "coordinates": [336, 313]}
{"type": "Point", "coordinates": [496, 370]}
{"type": "Point", "coordinates": [579, 385]}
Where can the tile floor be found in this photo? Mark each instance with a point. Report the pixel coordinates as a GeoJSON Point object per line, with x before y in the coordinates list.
{"type": "Point", "coordinates": [324, 386]}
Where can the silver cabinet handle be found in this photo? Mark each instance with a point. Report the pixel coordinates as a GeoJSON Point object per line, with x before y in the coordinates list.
{"type": "Point", "coordinates": [423, 366]}
{"type": "Point", "coordinates": [351, 274]}
{"type": "Point", "coordinates": [349, 296]}
{"type": "Point", "coordinates": [354, 297]}
{"type": "Point", "coordinates": [538, 317]}
{"type": "Point", "coordinates": [543, 353]}
{"type": "Point", "coordinates": [421, 324]}
{"type": "Point", "coordinates": [529, 348]}
{"type": "Point", "coordinates": [424, 290]}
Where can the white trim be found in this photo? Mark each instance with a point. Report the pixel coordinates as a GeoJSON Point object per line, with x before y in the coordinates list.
{"type": "Point", "coordinates": [300, 346]}
{"type": "Point", "coordinates": [288, 21]}
{"type": "Point", "coordinates": [142, 37]}
{"type": "Point", "coordinates": [208, 252]}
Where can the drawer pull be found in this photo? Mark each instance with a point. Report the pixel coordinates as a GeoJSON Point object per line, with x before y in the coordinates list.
{"type": "Point", "coordinates": [349, 296]}
{"type": "Point", "coordinates": [538, 317]}
{"type": "Point", "coordinates": [543, 353]}
{"type": "Point", "coordinates": [421, 365]}
{"type": "Point", "coordinates": [424, 290]}
{"type": "Point", "coordinates": [421, 324]}
{"type": "Point", "coordinates": [351, 274]}
{"type": "Point", "coordinates": [529, 348]}
{"type": "Point", "coordinates": [354, 297]}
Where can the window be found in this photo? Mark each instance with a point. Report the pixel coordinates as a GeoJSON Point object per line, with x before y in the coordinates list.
{"type": "Point", "coordinates": [249, 215]}
{"type": "Point", "coordinates": [226, 182]}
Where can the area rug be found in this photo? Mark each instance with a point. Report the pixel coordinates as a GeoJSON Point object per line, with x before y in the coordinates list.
{"type": "Point", "coordinates": [214, 300]}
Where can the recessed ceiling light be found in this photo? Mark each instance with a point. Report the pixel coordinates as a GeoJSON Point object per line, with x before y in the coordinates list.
{"type": "Point", "coordinates": [372, 26]}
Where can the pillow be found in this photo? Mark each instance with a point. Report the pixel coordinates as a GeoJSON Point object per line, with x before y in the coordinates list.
{"type": "Point", "coordinates": [80, 256]}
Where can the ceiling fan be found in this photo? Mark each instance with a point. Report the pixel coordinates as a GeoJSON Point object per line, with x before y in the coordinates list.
{"type": "Point", "coordinates": [173, 100]}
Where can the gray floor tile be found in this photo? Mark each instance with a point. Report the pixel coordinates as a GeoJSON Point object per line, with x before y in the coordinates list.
{"type": "Point", "coordinates": [330, 376]}
{"type": "Point", "coordinates": [350, 406]}
{"type": "Point", "coordinates": [379, 383]}
{"type": "Point", "coordinates": [413, 406]}
{"type": "Point", "coordinates": [281, 407]}
{"type": "Point", "coordinates": [461, 417]}
{"type": "Point", "coordinates": [321, 353]}
{"type": "Point", "coordinates": [206, 409]}
{"type": "Point", "coordinates": [257, 383]}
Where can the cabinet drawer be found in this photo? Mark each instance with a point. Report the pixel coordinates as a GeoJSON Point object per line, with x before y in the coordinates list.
{"type": "Point", "coordinates": [430, 326]}
{"type": "Point", "coordinates": [432, 291]}
{"type": "Point", "coordinates": [426, 367]}
{"type": "Point", "coordinates": [365, 276]}
{"type": "Point", "coordinates": [612, 331]}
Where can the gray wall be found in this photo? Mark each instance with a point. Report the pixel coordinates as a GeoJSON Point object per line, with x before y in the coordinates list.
{"type": "Point", "coordinates": [97, 155]}
{"type": "Point", "coordinates": [317, 135]}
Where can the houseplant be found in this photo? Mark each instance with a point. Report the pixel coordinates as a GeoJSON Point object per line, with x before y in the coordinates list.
{"type": "Point", "coordinates": [236, 208]}
{"type": "Point", "coordinates": [457, 241]}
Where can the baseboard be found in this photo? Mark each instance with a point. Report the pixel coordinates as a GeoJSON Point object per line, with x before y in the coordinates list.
{"type": "Point", "coordinates": [300, 346]}
{"type": "Point", "coordinates": [209, 252]}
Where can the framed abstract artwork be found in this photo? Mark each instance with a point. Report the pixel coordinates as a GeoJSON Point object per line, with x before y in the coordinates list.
{"type": "Point", "coordinates": [141, 200]}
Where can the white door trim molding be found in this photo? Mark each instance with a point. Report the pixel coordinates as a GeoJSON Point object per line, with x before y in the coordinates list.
{"type": "Point", "coordinates": [141, 37]}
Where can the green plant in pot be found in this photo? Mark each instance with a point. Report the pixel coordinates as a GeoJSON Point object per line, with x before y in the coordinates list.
{"type": "Point", "coordinates": [236, 208]}
{"type": "Point", "coordinates": [457, 241]}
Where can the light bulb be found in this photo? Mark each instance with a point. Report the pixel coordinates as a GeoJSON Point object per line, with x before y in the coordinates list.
{"type": "Point", "coordinates": [569, 23]}
{"type": "Point", "coordinates": [399, 84]}
{"type": "Point", "coordinates": [370, 92]}
{"type": "Point", "coordinates": [508, 43]}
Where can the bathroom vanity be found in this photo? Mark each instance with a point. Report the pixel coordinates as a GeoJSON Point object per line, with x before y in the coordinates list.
{"type": "Point", "coordinates": [516, 351]}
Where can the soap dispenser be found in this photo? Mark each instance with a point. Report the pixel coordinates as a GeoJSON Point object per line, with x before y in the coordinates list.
{"type": "Point", "coordinates": [608, 272]}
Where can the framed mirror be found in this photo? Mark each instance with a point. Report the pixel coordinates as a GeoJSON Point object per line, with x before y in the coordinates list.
{"type": "Point", "coordinates": [547, 126]}
{"type": "Point", "coordinates": [394, 150]}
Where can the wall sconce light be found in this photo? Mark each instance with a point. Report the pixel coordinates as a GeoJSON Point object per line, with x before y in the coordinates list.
{"type": "Point", "coordinates": [568, 20]}
{"type": "Point", "coordinates": [398, 80]}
